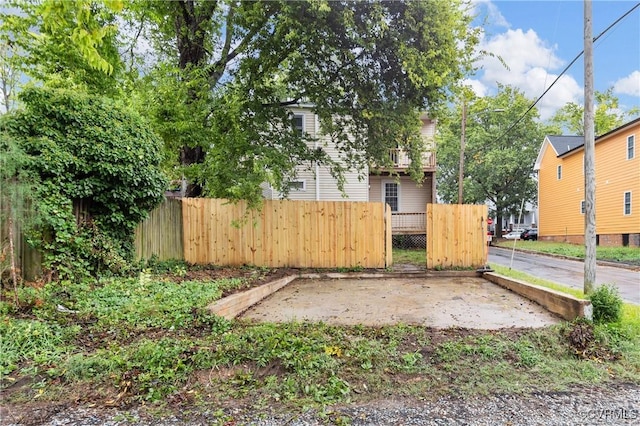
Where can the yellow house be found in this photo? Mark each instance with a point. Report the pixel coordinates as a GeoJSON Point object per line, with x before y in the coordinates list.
{"type": "Point", "coordinates": [561, 196]}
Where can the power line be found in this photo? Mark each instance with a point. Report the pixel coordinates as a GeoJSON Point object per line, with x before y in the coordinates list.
{"type": "Point", "coordinates": [564, 71]}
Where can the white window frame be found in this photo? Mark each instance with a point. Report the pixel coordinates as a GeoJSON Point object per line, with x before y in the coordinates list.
{"type": "Point", "coordinates": [625, 204]}
{"type": "Point", "coordinates": [559, 172]}
{"type": "Point", "coordinates": [384, 192]}
{"type": "Point", "coordinates": [293, 188]}
{"type": "Point", "coordinates": [302, 127]}
{"type": "Point", "coordinates": [631, 147]}
{"type": "Point", "coordinates": [583, 207]}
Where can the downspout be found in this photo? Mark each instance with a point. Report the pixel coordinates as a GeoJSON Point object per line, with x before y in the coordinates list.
{"type": "Point", "coordinates": [316, 146]}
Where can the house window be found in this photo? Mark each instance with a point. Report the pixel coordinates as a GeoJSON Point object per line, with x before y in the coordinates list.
{"type": "Point", "coordinates": [631, 142]}
{"type": "Point", "coordinates": [559, 172]}
{"type": "Point", "coordinates": [297, 185]}
{"type": "Point", "coordinates": [582, 207]}
{"type": "Point", "coordinates": [391, 195]}
{"type": "Point", "coordinates": [298, 123]}
{"type": "Point", "coordinates": [627, 203]}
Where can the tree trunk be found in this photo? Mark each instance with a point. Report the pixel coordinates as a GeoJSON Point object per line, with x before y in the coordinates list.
{"type": "Point", "coordinates": [499, 218]}
{"type": "Point", "coordinates": [189, 156]}
{"type": "Point", "coordinates": [191, 24]}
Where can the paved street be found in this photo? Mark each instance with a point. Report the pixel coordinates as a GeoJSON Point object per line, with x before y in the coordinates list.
{"type": "Point", "coordinates": [568, 272]}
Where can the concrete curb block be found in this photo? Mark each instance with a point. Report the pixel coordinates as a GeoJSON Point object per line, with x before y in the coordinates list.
{"type": "Point", "coordinates": [564, 305]}
{"type": "Point", "coordinates": [232, 306]}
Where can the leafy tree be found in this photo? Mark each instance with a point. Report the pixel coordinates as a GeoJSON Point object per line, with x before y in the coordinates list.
{"type": "Point", "coordinates": [607, 115]}
{"type": "Point", "coordinates": [499, 153]}
{"type": "Point", "coordinates": [96, 164]}
{"type": "Point", "coordinates": [74, 42]}
{"type": "Point", "coordinates": [226, 72]}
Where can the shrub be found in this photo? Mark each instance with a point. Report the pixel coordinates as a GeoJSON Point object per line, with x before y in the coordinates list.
{"type": "Point", "coordinates": [95, 167]}
{"type": "Point", "coordinates": [607, 304]}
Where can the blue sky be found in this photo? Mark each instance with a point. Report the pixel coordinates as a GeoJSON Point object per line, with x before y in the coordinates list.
{"type": "Point", "coordinates": [538, 39]}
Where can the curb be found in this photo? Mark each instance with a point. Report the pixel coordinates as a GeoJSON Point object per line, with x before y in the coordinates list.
{"type": "Point", "coordinates": [565, 305]}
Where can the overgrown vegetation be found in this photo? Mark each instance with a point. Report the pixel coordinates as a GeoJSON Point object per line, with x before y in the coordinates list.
{"type": "Point", "coordinates": [607, 304]}
{"type": "Point", "coordinates": [94, 171]}
{"type": "Point", "coordinates": [151, 340]}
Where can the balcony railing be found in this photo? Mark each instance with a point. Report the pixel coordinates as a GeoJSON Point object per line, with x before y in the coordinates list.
{"type": "Point", "coordinates": [408, 223]}
{"type": "Point", "coordinates": [400, 159]}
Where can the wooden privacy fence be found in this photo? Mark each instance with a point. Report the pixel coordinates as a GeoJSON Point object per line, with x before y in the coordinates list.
{"type": "Point", "coordinates": [303, 234]}
{"type": "Point", "coordinates": [27, 260]}
{"type": "Point", "coordinates": [160, 234]}
{"type": "Point", "coordinates": [456, 235]}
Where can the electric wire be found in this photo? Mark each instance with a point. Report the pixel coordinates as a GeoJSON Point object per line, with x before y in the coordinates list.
{"type": "Point", "coordinates": [506, 132]}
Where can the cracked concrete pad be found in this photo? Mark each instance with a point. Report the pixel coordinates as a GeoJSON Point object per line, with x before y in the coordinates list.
{"type": "Point", "coordinates": [467, 302]}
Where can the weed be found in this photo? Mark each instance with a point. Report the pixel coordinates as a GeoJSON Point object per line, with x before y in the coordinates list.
{"type": "Point", "coordinates": [37, 342]}
{"type": "Point", "coordinates": [156, 266]}
{"type": "Point", "coordinates": [411, 361]}
{"type": "Point", "coordinates": [527, 354]}
{"type": "Point", "coordinates": [356, 268]}
{"type": "Point", "coordinates": [150, 303]}
{"type": "Point", "coordinates": [607, 304]}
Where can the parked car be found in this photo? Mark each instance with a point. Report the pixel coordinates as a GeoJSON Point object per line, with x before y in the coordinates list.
{"type": "Point", "coordinates": [529, 234]}
{"type": "Point", "coordinates": [513, 235]}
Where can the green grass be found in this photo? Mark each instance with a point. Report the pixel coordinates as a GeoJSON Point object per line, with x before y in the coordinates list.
{"type": "Point", "coordinates": [511, 273]}
{"type": "Point", "coordinates": [415, 257]}
{"type": "Point", "coordinates": [614, 254]}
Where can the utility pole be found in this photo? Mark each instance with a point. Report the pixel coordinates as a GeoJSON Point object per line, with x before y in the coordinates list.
{"type": "Point", "coordinates": [462, 144]}
{"type": "Point", "coordinates": [589, 156]}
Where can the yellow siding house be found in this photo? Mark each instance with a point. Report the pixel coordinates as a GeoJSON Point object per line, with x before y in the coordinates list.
{"type": "Point", "coordinates": [561, 196]}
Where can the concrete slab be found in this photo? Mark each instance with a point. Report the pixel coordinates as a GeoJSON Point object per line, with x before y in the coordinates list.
{"type": "Point", "coordinates": [468, 302]}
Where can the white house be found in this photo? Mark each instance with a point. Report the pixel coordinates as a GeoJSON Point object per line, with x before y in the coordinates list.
{"type": "Point", "coordinates": [394, 186]}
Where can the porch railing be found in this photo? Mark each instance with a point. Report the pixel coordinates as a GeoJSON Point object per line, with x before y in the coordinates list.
{"type": "Point", "coordinates": [400, 159]}
{"type": "Point", "coordinates": [408, 223]}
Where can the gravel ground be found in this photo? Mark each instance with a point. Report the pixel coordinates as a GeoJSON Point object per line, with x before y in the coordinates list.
{"type": "Point", "coordinates": [617, 405]}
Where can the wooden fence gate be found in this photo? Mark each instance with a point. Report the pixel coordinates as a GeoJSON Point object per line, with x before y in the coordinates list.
{"type": "Point", "coordinates": [456, 236]}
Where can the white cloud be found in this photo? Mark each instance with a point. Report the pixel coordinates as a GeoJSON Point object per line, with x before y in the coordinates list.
{"type": "Point", "coordinates": [478, 87]}
{"type": "Point", "coordinates": [492, 12]}
{"type": "Point", "coordinates": [528, 63]}
{"type": "Point", "coordinates": [629, 85]}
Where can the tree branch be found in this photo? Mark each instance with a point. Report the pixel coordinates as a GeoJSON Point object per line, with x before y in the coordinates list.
{"type": "Point", "coordinates": [282, 103]}
{"type": "Point", "coordinates": [228, 33]}
{"type": "Point", "coordinates": [220, 65]}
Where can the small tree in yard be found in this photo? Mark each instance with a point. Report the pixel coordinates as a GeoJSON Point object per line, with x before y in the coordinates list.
{"type": "Point", "coordinates": [96, 168]}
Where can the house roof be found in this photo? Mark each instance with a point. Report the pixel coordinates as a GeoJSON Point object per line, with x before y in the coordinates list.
{"type": "Point", "coordinates": [561, 145]}
{"type": "Point", "coordinates": [564, 144]}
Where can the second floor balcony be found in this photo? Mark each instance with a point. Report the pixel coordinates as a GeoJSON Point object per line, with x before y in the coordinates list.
{"type": "Point", "coordinates": [400, 161]}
